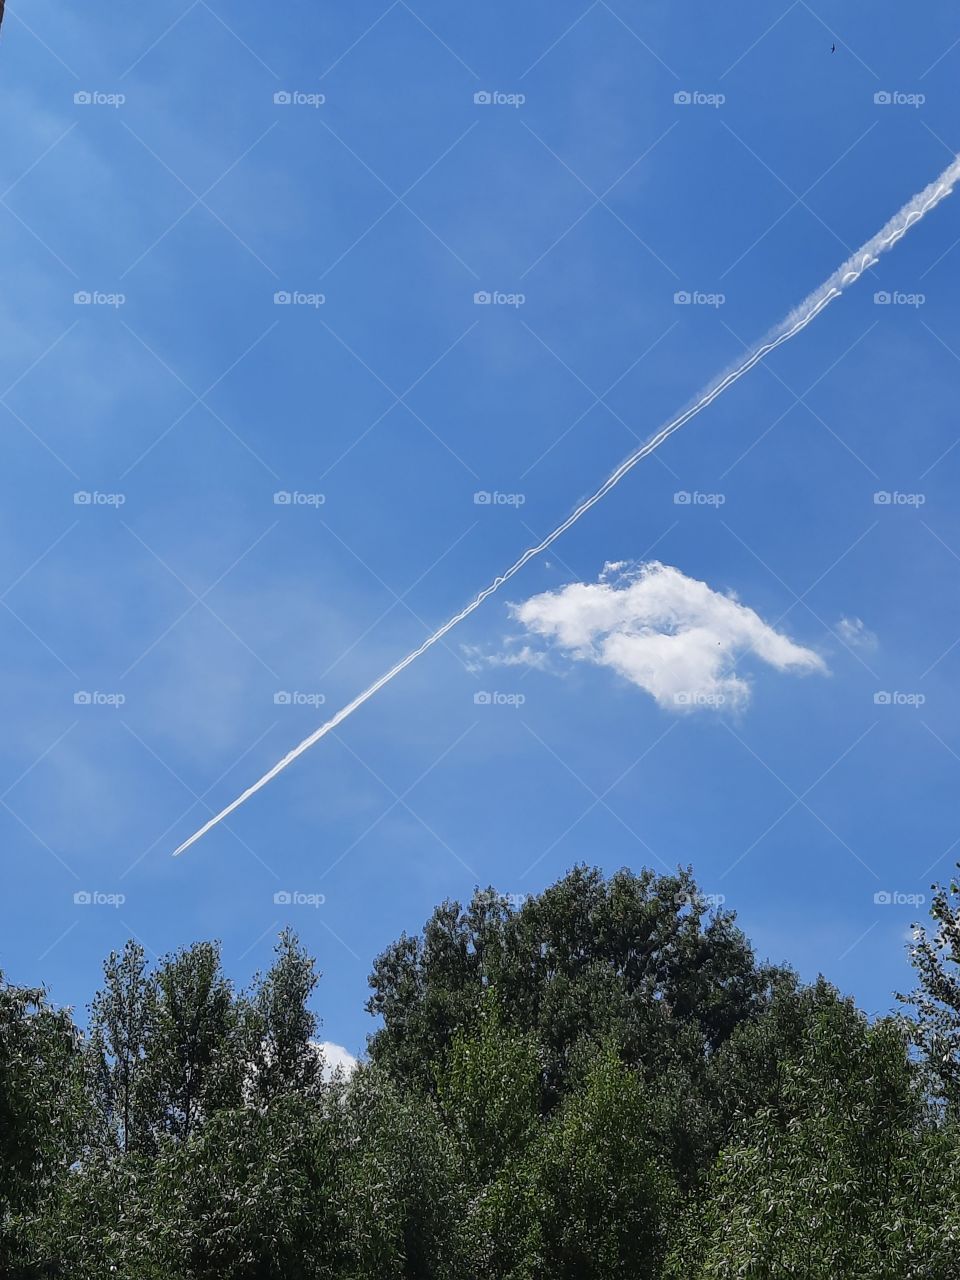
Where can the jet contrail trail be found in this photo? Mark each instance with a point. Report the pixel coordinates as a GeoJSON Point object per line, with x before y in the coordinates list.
{"type": "Point", "coordinates": [798, 319]}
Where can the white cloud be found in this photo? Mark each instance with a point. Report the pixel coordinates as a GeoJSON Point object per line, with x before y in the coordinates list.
{"type": "Point", "coordinates": [475, 660]}
{"type": "Point", "coordinates": [671, 635]}
{"type": "Point", "coordinates": [855, 635]}
{"type": "Point", "coordinates": [336, 1058]}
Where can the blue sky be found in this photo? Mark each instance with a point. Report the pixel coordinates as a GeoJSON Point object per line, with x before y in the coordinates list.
{"type": "Point", "coordinates": [181, 197]}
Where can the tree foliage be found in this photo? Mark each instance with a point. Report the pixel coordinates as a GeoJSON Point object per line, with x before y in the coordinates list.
{"type": "Point", "coordinates": [602, 1082]}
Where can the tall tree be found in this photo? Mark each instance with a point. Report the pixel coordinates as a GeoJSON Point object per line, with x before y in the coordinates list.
{"type": "Point", "coordinates": [935, 954]}
{"type": "Point", "coordinates": [196, 1059]}
{"type": "Point", "coordinates": [490, 1095]}
{"type": "Point", "coordinates": [116, 1048]}
{"type": "Point", "coordinates": [41, 1112]}
{"type": "Point", "coordinates": [285, 1056]}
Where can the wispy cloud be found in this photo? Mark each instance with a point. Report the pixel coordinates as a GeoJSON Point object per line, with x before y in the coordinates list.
{"type": "Point", "coordinates": [855, 634]}
{"type": "Point", "coordinates": [475, 660]}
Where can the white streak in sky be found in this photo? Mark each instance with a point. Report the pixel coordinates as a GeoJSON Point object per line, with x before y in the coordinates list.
{"type": "Point", "coordinates": [797, 320]}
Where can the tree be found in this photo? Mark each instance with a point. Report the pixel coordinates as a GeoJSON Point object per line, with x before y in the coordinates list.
{"type": "Point", "coordinates": [282, 1028]}
{"type": "Point", "coordinates": [830, 1179]}
{"type": "Point", "coordinates": [41, 1110]}
{"type": "Point", "coordinates": [603, 1084]}
{"type": "Point", "coordinates": [194, 1044]}
{"type": "Point", "coordinates": [586, 1200]}
{"type": "Point", "coordinates": [104, 1222]}
{"type": "Point", "coordinates": [402, 1204]}
{"type": "Point", "coordinates": [252, 1195]}
{"type": "Point", "coordinates": [636, 957]}
{"type": "Point", "coordinates": [490, 1096]}
{"type": "Point", "coordinates": [936, 998]}
{"type": "Point", "coordinates": [116, 1049]}
{"type": "Point", "coordinates": [636, 961]}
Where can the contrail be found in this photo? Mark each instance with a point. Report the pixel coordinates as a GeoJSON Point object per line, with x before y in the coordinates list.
{"type": "Point", "coordinates": [798, 319]}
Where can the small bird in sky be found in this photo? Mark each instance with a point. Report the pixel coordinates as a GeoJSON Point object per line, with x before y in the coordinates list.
{"type": "Point", "coordinates": [833, 49]}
